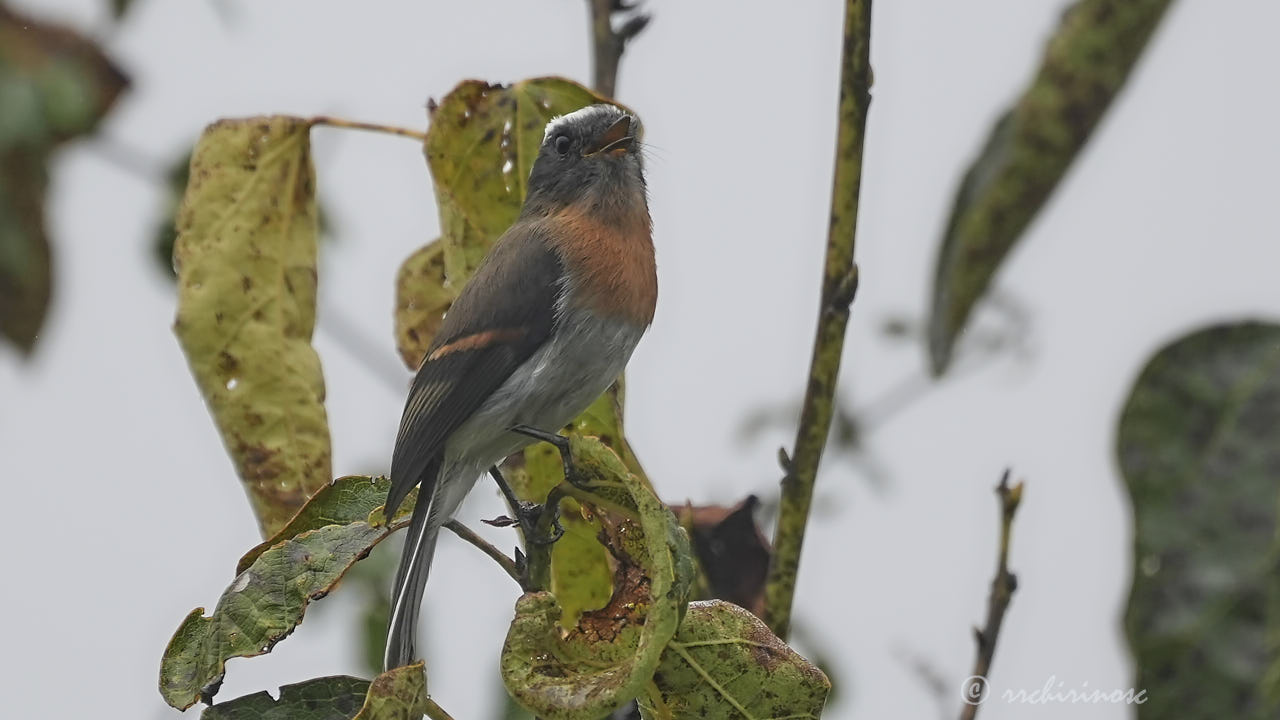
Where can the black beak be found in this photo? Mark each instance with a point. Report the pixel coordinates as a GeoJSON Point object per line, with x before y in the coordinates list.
{"type": "Point", "coordinates": [616, 140]}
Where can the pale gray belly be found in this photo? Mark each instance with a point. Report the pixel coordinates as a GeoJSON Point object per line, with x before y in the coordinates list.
{"type": "Point", "coordinates": [582, 358]}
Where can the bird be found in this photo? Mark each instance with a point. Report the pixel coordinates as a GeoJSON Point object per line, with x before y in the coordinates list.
{"type": "Point", "coordinates": [545, 325]}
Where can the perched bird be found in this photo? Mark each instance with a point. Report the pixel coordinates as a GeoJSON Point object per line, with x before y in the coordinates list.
{"type": "Point", "coordinates": [546, 324]}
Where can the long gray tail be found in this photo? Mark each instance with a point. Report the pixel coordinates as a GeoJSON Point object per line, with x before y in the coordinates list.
{"type": "Point", "coordinates": [411, 578]}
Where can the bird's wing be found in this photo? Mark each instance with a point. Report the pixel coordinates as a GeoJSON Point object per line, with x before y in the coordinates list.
{"type": "Point", "coordinates": [502, 316]}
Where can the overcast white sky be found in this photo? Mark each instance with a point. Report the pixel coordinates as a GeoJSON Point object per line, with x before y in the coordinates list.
{"type": "Point", "coordinates": [124, 512]}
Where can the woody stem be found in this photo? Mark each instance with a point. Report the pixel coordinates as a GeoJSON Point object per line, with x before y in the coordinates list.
{"type": "Point", "coordinates": [608, 43]}
{"type": "Point", "coordinates": [839, 282]}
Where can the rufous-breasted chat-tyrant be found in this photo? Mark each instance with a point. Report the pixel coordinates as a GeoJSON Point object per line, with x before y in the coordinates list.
{"type": "Point", "coordinates": [546, 324]}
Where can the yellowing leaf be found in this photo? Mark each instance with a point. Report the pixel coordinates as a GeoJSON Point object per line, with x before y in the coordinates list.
{"type": "Point", "coordinates": [423, 296]}
{"type": "Point", "coordinates": [480, 148]}
{"type": "Point", "coordinates": [246, 258]}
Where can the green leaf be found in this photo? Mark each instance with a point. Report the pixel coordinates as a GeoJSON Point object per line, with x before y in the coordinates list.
{"type": "Point", "coordinates": [262, 606]}
{"type": "Point", "coordinates": [608, 657]}
{"type": "Point", "coordinates": [399, 694]}
{"type": "Point", "coordinates": [344, 501]}
{"type": "Point", "coordinates": [1029, 151]}
{"type": "Point", "coordinates": [1197, 444]}
{"type": "Point", "coordinates": [725, 663]}
{"type": "Point", "coordinates": [327, 698]}
{"type": "Point", "coordinates": [55, 86]}
{"type": "Point", "coordinates": [246, 258]}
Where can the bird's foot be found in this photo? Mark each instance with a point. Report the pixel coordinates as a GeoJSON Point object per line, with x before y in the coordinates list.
{"type": "Point", "coordinates": [528, 515]}
{"type": "Point", "coordinates": [559, 441]}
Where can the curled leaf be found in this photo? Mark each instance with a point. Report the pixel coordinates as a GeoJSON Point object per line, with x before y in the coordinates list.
{"type": "Point", "coordinates": [725, 663]}
{"type": "Point", "coordinates": [1197, 447]}
{"type": "Point", "coordinates": [1029, 151]}
{"type": "Point", "coordinates": [608, 656]}
{"type": "Point", "coordinates": [246, 258]}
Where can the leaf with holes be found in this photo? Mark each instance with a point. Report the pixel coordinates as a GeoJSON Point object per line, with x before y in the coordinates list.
{"type": "Point", "coordinates": [1197, 447]}
{"type": "Point", "coordinates": [608, 657]}
{"type": "Point", "coordinates": [725, 662]}
{"type": "Point", "coordinates": [246, 259]}
{"type": "Point", "coordinates": [263, 605]}
{"type": "Point", "coordinates": [1029, 151]}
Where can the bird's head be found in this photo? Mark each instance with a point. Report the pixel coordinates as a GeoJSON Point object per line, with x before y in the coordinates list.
{"type": "Point", "coordinates": [592, 157]}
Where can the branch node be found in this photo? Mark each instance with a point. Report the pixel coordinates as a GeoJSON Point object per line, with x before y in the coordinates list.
{"type": "Point", "coordinates": [846, 289]}
{"type": "Point", "coordinates": [633, 27]}
{"type": "Point", "coordinates": [784, 460]}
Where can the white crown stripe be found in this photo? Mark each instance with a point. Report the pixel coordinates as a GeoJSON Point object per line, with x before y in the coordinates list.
{"type": "Point", "coordinates": [581, 114]}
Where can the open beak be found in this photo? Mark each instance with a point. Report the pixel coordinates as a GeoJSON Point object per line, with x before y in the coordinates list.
{"type": "Point", "coordinates": [616, 140]}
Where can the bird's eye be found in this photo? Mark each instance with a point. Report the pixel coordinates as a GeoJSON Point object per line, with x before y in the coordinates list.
{"type": "Point", "coordinates": [562, 144]}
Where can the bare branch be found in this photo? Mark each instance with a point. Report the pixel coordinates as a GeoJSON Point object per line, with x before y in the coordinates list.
{"type": "Point", "coordinates": [1002, 588]}
{"type": "Point", "coordinates": [608, 43]}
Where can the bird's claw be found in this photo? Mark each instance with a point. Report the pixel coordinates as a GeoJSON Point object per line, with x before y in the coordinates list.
{"type": "Point", "coordinates": [529, 515]}
{"type": "Point", "coordinates": [560, 442]}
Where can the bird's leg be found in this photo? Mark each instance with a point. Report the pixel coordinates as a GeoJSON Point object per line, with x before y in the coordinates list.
{"type": "Point", "coordinates": [528, 513]}
{"type": "Point", "coordinates": [561, 442]}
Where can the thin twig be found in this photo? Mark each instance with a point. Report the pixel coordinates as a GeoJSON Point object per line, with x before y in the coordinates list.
{"type": "Point", "coordinates": [839, 282]}
{"type": "Point", "coordinates": [608, 43]}
{"type": "Point", "coordinates": [498, 556]}
{"type": "Point", "coordinates": [418, 135]}
{"type": "Point", "coordinates": [1002, 588]}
